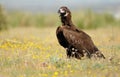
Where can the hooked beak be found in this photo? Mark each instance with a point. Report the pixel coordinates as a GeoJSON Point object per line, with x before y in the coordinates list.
{"type": "Point", "coordinates": [62, 13]}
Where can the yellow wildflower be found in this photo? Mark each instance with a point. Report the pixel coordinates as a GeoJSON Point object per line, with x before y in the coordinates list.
{"type": "Point", "coordinates": [56, 73]}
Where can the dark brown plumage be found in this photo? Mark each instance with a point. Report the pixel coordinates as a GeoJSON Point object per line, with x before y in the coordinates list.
{"type": "Point", "coordinates": [75, 41]}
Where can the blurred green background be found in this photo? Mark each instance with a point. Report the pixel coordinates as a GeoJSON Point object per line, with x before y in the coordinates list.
{"type": "Point", "coordinates": [86, 18]}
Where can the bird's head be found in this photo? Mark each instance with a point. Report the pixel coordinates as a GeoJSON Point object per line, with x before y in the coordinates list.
{"type": "Point", "coordinates": [64, 11]}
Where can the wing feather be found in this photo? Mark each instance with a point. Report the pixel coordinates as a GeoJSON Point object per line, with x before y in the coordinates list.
{"type": "Point", "coordinates": [79, 40]}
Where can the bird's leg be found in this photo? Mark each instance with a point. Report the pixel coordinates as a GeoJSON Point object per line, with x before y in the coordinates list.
{"type": "Point", "coordinates": [68, 52]}
{"type": "Point", "coordinates": [78, 54]}
{"type": "Point", "coordinates": [73, 52]}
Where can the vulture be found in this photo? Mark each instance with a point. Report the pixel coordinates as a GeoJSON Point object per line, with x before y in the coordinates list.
{"type": "Point", "coordinates": [76, 42]}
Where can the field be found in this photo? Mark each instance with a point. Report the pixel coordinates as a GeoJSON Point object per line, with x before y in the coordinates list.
{"type": "Point", "coordinates": [35, 52]}
{"type": "Point", "coordinates": [29, 47]}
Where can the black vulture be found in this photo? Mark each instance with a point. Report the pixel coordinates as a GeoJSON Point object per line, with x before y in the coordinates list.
{"type": "Point", "coordinates": [75, 41]}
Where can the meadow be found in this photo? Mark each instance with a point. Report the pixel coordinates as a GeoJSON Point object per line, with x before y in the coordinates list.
{"type": "Point", "coordinates": [29, 47]}
{"type": "Point", "coordinates": [34, 52]}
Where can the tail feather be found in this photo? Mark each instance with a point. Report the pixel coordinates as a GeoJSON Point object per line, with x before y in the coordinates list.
{"type": "Point", "coordinates": [100, 55]}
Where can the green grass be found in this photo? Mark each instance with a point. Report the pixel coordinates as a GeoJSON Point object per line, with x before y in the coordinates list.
{"type": "Point", "coordinates": [83, 19]}
{"type": "Point", "coordinates": [33, 52]}
{"type": "Point", "coordinates": [3, 21]}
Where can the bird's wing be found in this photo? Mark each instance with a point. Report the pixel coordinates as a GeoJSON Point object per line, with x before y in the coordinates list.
{"type": "Point", "coordinates": [79, 40]}
{"type": "Point", "coordinates": [60, 37]}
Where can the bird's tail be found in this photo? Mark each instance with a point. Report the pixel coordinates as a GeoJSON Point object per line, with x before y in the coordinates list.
{"type": "Point", "coordinates": [99, 54]}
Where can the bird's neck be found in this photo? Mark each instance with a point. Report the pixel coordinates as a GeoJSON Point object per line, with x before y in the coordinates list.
{"type": "Point", "coordinates": [66, 21]}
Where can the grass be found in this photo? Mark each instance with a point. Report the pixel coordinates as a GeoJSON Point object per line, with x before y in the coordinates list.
{"type": "Point", "coordinates": [33, 52]}
{"type": "Point", "coordinates": [83, 19]}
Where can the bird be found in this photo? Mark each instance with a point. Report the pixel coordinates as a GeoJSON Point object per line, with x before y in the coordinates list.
{"type": "Point", "coordinates": [76, 42]}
